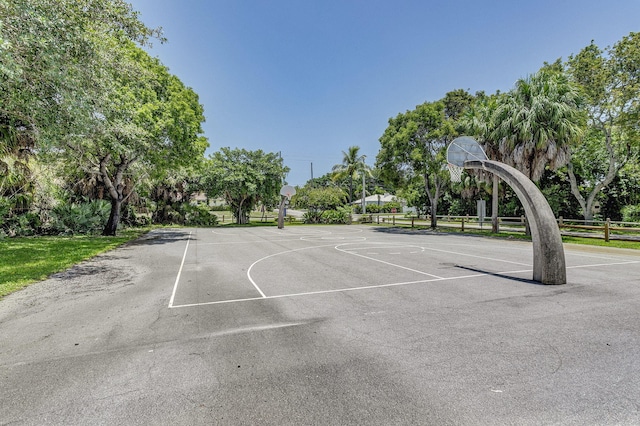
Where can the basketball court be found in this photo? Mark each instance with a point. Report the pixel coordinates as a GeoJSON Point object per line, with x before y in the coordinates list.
{"type": "Point", "coordinates": [346, 325]}
{"type": "Point", "coordinates": [238, 265]}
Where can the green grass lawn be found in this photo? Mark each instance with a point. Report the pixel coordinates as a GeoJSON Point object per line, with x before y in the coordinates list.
{"type": "Point", "coordinates": [565, 238]}
{"type": "Point", "coordinates": [30, 259]}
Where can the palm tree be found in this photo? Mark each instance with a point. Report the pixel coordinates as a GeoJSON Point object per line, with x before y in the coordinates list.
{"type": "Point", "coordinates": [352, 165]}
{"type": "Point", "coordinates": [531, 127]}
{"type": "Point", "coordinates": [537, 122]}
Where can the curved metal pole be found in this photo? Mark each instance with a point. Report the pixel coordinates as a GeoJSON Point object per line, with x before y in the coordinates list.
{"type": "Point", "coordinates": [549, 265]}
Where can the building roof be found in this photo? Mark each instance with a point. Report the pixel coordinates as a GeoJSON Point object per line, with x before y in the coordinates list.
{"type": "Point", "coordinates": [373, 199]}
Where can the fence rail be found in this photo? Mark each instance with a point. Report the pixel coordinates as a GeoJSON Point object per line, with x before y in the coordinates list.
{"type": "Point", "coordinates": [603, 229]}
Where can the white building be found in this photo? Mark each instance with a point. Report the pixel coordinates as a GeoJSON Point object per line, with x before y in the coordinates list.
{"type": "Point", "coordinates": [378, 199]}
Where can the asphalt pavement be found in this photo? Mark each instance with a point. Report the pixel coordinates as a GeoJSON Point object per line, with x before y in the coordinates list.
{"type": "Point", "coordinates": [324, 325]}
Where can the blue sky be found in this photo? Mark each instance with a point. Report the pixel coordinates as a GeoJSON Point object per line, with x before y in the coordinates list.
{"type": "Point", "coordinates": [311, 78]}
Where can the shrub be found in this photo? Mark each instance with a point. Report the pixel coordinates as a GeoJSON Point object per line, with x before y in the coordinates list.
{"type": "Point", "coordinates": [81, 218]}
{"type": "Point", "coordinates": [631, 213]}
{"type": "Point", "coordinates": [388, 207]}
{"type": "Point", "coordinates": [312, 216]}
{"type": "Point", "coordinates": [199, 215]}
{"type": "Point", "coordinates": [340, 215]}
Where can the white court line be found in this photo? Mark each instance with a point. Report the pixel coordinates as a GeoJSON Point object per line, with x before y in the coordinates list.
{"type": "Point", "coordinates": [588, 265]}
{"type": "Point", "coordinates": [251, 242]}
{"type": "Point", "coordinates": [343, 290]}
{"type": "Point", "coordinates": [476, 256]}
{"type": "Point", "coordinates": [595, 256]}
{"type": "Point", "coordinates": [398, 245]}
{"type": "Point", "coordinates": [340, 290]}
{"type": "Point", "coordinates": [386, 263]}
{"type": "Point", "coordinates": [273, 255]}
{"type": "Point", "coordinates": [175, 286]}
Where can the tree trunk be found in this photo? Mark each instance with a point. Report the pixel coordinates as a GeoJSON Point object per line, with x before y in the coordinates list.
{"type": "Point", "coordinates": [350, 189]}
{"type": "Point", "coordinates": [116, 189]}
{"type": "Point", "coordinates": [433, 198]}
{"type": "Point", "coordinates": [495, 227]}
{"type": "Point", "coordinates": [114, 218]}
{"type": "Point", "coordinates": [242, 217]}
{"type": "Point", "coordinates": [612, 171]}
{"type": "Point", "coordinates": [434, 209]}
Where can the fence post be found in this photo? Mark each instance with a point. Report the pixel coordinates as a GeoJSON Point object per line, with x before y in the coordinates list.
{"type": "Point", "coordinates": [560, 219]}
{"type": "Point", "coordinates": [607, 224]}
{"type": "Point", "coordinates": [394, 220]}
{"type": "Point", "coordinates": [462, 229]}
{"type": "Point", "coordinates": [412, 219]}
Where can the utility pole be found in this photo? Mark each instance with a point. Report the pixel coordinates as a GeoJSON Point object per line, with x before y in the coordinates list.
{"type": "Point", "coordinates": [364, 205]}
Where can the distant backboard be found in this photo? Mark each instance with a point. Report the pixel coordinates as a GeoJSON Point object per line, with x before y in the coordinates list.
{"type": "Point", "coordinates": [464, 148]}
{"type": "Point", "coordinates": [287, 191]}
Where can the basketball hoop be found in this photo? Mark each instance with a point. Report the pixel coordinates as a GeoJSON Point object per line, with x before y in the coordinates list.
{"type": "Point", "coordinates": [455, 172]}
{"type": "Point", "coordinates": [462, 149]}
{"type": "Point", "coordinates": [287, 191]}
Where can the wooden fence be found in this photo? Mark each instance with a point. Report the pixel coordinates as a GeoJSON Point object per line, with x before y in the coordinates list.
{"type": "Point", "coordinates": [603, 229]}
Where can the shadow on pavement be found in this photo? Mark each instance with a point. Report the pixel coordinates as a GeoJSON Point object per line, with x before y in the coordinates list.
{"type": "Point", "coordinates": [164, 237]}
{"type": "Point", "coordinates": [497, 274]}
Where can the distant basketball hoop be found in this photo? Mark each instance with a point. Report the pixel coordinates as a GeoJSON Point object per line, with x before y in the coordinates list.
{"type": "Point", "coordinates": [288, 191]}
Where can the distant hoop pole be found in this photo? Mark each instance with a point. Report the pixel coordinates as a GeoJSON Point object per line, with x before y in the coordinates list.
{"type": "Point", "coordinates": [286, 192]}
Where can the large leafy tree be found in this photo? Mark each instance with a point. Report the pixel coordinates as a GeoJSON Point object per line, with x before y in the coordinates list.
{"type": "Point", "coordinates": [145, 124]}
{"type": "Point", "coordinates": [51, 72]}
{"type": "Point", "coordinates": [244, 179]}
{"type": "Point", "coordinates": [317, 200]}
{"type": "Point", "coordinates": [73, 80]}
{"type": "Point", "coordinates": [52, 61]}
{"type": "Point", "coordinates": [610, 83]}
{"type": "Point", "coordinates": [413, 150]}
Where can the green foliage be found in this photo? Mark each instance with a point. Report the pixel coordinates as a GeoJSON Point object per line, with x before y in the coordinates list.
{"type": "Point", "coordinates": [413, 151]}
{"type": "Point", "coordinates": [609, 81]}
{"type": "Point", "coordinates": [312, 216]}
{"type": "Point", "coordinates": [244, 179]}
{"type": "Point", "coordinates": [535, 125]}
{"type": "Point", "coordinates": [352, 166]}
{"type": "Point", "coordinates": [319, 199]}
{"type": "Point", "coordinates": [199, 215]}
{"type": "Point", "coordinates": [457, 207]}
{"type": "Point", "coordinates": [338, 216]}
{"type": "Point", "coordinates": [52, 61]}
{"type": "Point", "coordinates": [631, 213]}
{"type": "Point", "coordinates": [388, 207]}
{"type": "Point", "coordinates": [79, 218]}
{"type": "Point", "coordinates": [383, 208]}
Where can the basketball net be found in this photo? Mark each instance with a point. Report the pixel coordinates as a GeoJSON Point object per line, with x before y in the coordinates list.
{"type": "Point", "coordinates": [455, 172]}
